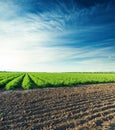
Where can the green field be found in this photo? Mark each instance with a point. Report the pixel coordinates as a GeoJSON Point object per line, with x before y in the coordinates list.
{"type": "Point", "coordinates": [30, 80]}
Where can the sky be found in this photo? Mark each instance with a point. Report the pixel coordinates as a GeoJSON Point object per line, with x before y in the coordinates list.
{"type": "Point", "coordinates": [57, 35]}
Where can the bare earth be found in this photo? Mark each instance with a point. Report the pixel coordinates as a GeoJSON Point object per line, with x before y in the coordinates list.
{"type": "Point", "coordinates": [87, 107]}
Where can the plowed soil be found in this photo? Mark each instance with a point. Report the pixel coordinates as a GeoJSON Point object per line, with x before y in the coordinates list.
{"type": "Point", "coordinates": [85, 107]}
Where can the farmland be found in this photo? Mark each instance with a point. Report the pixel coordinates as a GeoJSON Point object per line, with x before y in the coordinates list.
{"type": "Point", "coordinates": [88, 107]}
{"type": "Point", "coordinates": [11, 81]}
{"type": "Point", "coordinates": [57, 101]}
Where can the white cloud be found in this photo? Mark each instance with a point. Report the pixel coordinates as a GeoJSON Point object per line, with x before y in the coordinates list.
{"type": "Point", "coordinates": [35, 43]}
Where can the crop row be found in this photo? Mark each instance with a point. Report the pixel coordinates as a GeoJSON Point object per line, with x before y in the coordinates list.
{"type": "Point", "coordinates": [22, 81]}
{"type": "Point", "coordinates": [68, 79]}
{"type": "Point", "coordinates": [4, 75]}
{"type": "Point", "coordinates": [32, 80]}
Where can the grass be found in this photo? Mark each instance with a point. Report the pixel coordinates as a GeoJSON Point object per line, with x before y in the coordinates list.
{"type": "Point", "coordinates": [14, 80]}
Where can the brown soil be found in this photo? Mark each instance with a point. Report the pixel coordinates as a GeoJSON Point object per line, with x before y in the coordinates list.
{"type": "Point", "coordinates": [88, 107]}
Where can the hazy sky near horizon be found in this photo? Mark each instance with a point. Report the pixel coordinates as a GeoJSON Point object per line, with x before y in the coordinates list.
{"type": "Point", "coordinates": [57, 35]}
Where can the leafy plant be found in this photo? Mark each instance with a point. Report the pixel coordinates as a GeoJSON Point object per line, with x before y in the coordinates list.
{"type": "Point", "coordinates": [14, 83]}
{"type": "Point", "coordinates": [26, 84]}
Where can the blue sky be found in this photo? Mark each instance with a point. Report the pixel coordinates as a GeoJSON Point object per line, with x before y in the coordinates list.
{"type": "Point", "coordinates": [57, 35]}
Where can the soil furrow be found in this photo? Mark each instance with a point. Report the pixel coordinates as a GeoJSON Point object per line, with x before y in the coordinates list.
{"type": "Point", "coordinates": [85, 107]}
